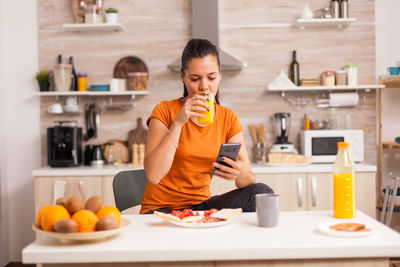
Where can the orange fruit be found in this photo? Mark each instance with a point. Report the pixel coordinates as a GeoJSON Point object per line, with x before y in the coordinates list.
{"type": "Point", "coordinates": [51, 215]}
{"type": "Point", "coordinates": [40, 215]}
{"type": "Point", "coordinates": [86, 220]}
{"type": "Point", "coordinates": [109, 211]}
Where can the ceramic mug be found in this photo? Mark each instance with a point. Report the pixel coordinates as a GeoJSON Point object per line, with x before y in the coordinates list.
{"type": "Point", "coordinates": [394, 70]}
{"type": "Point", "coordinates": [267, 209]}
{"type": "Point", "coordinates": [56, 108]}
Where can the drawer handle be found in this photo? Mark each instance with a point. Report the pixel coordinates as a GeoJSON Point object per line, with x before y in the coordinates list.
{"type": "Point", "coordinates": [314, 191]}
{"type": "Point", "coordinates": [299, 192]}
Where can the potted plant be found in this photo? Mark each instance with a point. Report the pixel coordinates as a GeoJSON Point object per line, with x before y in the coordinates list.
{"type": "Point", "coordinates": [111, 15]}
{"type": "Point", "coordinates": [43, 78]}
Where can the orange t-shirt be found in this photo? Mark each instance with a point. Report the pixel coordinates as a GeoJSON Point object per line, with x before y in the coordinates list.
{"type": "Point", "coordinates": [188, 181]}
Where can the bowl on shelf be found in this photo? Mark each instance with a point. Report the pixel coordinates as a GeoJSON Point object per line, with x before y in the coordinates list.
{"type": "Point", "coordinates": [100, 87]}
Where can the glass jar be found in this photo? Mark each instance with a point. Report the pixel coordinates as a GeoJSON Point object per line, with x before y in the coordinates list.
{"type": "Point", "coordinates": [341, 77]}
{"type": "Point", "coordinates": [351, 70]}
{"type": "Point", "coordinates": [92, 14]}
{"type": "Point", "coordinates": [328, 78]}
{"type": "Point", "coordinates": [137, 81]}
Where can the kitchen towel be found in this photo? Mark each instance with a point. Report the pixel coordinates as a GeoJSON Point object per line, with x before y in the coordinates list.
{"type": "Point", "coordinates": [343, 99]}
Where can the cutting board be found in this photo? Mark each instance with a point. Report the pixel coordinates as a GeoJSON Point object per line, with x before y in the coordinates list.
{"type": "Point", "coordinates": [129, 64]}
{"type": "Point", "coordinates": [137, 135]}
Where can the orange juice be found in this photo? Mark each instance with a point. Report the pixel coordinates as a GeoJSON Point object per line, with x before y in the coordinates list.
{"type": "Point", "coordinates": [344, 196]}
{"type": "Point", "coordinates": [209, 118]}
{"type": "Point", "coordinates": [344, 205]}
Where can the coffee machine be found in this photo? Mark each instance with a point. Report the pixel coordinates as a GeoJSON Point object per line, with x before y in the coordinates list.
{"type": "Point", "coordinates": [64, 144]}
{"type": "Point", "coordinates": [282, 126]}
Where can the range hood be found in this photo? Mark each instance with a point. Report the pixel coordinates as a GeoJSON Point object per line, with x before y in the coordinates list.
{"type": "Point", "coordinates": [205, 26]}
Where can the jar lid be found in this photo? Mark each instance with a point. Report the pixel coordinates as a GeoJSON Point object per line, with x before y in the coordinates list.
{"type": "Point", "coordinates": [341, 72]}
{"type": "Point", "coordinates": [350, 65]}
{"type": "Point", "coordinates": [132, 74]}
{"type": "Point", "coordinates": [82, 74]}
{"type": "Point", "coordinates": [328, 72]}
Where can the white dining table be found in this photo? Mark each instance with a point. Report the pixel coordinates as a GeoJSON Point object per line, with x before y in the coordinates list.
{"type": "Point", "coordinates": [295, 240]}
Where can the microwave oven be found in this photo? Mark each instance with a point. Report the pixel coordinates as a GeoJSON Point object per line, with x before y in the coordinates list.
{"type": "Point", "coordinates": [321, 145]}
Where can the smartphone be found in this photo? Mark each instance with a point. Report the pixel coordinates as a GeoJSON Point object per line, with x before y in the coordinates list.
{"type": "Point", "coordinates": [229, 150]}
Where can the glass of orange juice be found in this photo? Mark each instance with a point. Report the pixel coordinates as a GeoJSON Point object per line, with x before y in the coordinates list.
{"type": "Point", "coordinates": [209, 118]}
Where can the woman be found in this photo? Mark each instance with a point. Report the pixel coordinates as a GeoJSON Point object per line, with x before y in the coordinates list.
{"type": "Point", "coordinates": [181, 153]}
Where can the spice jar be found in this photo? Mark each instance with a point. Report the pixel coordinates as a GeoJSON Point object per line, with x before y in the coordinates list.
{"type": "Point", "coordinates": [137, 81]}
{"type": "Point", "coordinates": [328, 78]}
{"type": "Point", "coordinates": [351, 70]}
{"type": "Point", "coordinates": [341, 77]}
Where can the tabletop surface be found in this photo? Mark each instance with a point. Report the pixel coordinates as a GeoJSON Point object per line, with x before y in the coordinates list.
{"type": "Point", "coordinates": [150, 238]}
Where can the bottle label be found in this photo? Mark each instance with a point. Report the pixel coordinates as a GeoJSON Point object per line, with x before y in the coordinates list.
{"type": "Point", "coordinates": [344, 197]}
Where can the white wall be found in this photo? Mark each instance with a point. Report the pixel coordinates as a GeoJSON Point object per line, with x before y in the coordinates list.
{"type": "Point", "coordinates": [387, 54]}
{"type": "Point", "coordinates": [19, 124]}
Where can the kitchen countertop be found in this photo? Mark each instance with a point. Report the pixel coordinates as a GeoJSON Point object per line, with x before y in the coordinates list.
{"type": "Point", "coordinates": [151, 239]}
{"type": "Point", "coordinates": [108, 170]}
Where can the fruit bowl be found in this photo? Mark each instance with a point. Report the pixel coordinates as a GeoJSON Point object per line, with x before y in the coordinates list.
{"type": "Point", "coordinates": [91, 236]}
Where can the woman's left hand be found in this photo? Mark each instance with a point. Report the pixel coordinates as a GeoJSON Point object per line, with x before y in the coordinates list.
{"type": "Point", "coordinates": [229, 173]}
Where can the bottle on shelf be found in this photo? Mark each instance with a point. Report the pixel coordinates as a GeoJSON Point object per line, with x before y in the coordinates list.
{"type": "Point", "coordinates": [335, 9]}
{"type": "Point", "coordinates": [344, 9]}
{"type": "Point", "coordinates": [306, 122]}
{"type": "Point", "coordinates": [344, 195]}
{"type": "Point", "coordinates": [74, 78]}
{"type": "Point", "coordinates": [294, 70]}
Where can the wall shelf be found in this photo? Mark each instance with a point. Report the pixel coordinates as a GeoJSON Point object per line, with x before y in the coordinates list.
{"type": "Point", "coordinates": [339, 23]}
{"type": "Point", "coordinates": [96, 27]}
{"type": "Point", "coordinates": [329, 88]}
{"type": "Point", "coordinates": [90, 93]}
{"type": "Point", "coordinates": [391, 82]}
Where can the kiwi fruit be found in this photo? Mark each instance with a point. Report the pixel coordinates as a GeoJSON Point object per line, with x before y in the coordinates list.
{"type": "Point", "coordinates": [61, 201]}
{"type": "Point", "coordinates": [107, 223]}
{"type": "Point", "coordinates": [74, 203]}
{"type": "Point", "coordinates": [94, 203]}
{"type": "Point", "coordinates": [66, 226]}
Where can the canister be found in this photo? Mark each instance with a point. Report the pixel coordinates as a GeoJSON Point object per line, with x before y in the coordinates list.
{"type": "Point", "coordinates": [341, 77]}
{"type": "Point", "coordinates": [82, 81]}
{"type": "Point", "coordinates": [328, 78]}
{"type": "Point", "coordinates": [137, 81]}
{"type": "Point", "coordinates": [351, 70]}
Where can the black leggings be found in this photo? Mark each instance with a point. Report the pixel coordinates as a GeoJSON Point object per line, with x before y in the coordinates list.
{"type": "Point", "coordinates": [239, 198]}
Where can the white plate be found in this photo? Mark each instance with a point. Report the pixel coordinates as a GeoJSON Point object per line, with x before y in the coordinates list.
{"type": "Point", "coordinates": [324, 228]}
{"type": "Point", "coordinates": [197, 224]}
{"type": "Point", "coordinates": [285, 165]}
{"type": "Point", "coordinates": [97, 235]}
{"type": "Point", "coordinates": [200, 225]}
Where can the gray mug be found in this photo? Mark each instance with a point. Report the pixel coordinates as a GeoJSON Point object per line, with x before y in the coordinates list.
{"type": "Point", "coordinates": [267, 208]}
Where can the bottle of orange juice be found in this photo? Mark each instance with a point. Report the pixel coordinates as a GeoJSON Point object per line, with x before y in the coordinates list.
{"type": "Point", "coordinates": [209, 118]}
{"type": "Point", "coordinates": [344, 195]}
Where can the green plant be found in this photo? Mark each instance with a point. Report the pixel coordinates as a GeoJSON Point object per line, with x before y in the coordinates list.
{"type": "Point", "coordinates": [111, 10]}
{"type": "Point", "coordinates": [43, 76]}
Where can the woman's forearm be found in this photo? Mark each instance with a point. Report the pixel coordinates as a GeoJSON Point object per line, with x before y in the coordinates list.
{"type": "Point", "coordinates": [158, 162]}
{"type": "Point", "coordinates": [246, 179]}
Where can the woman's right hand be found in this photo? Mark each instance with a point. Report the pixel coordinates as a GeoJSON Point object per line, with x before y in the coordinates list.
{"type": "Point", "coordinates": [191, 108]}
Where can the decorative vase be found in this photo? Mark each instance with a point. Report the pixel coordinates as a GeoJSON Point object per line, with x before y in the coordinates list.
{"type": "Point", "coordinates": [44, 86]}
{"type": "Point", "coordinates": [111, 18]}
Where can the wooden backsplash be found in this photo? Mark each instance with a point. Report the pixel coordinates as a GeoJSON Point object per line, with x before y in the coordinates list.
{"type": "Point", "coordinates": [258, 32]}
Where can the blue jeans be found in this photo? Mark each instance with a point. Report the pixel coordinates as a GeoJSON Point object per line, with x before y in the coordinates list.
{"type": "Point", "coordinates": [239, 198]}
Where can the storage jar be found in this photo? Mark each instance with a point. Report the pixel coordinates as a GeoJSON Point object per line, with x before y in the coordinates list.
{"type": "Point", "coordinates": [328, 78]}
{"type": "Point", "coordinates": [137, 81]}
{"type": "Point", "coordinates": [351, 70]}
{"type": "Point", "coordinates": [341, 77]}
{"type": "Point", "coordinates": [92, 14]}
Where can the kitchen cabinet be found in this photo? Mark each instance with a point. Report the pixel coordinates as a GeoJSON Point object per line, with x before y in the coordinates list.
{"type": "Point", "coordinates": [49, 188]}
{"type": "Point", "coordinates": [309, 191]}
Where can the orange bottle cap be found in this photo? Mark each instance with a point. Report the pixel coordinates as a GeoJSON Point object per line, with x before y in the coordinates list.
{"type": "Point", "coordinates": [342, 145]}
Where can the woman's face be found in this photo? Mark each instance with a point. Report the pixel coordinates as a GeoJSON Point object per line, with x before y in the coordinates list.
{"type": "Point", "coordinates": [202, 75]}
